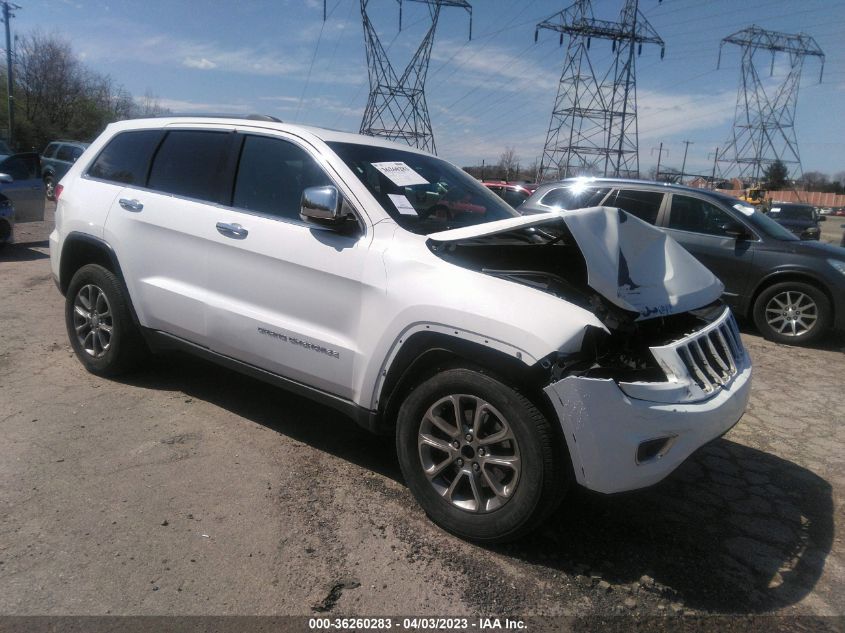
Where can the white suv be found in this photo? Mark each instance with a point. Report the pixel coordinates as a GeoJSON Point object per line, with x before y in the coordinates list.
{"type": "Point", "coordinates": [509, 355]}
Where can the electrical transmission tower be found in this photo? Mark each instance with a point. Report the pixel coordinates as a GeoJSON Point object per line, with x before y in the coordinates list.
{"type": "Point", "coordinates": [593, 128]}
{"type": "Point", "coordinates": [396, 108]}
{"type": "Point", "coordinates": [764, 118]}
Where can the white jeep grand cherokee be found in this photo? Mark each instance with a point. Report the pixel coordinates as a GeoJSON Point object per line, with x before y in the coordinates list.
{"type": "Point", "coordinates": [509, 355]}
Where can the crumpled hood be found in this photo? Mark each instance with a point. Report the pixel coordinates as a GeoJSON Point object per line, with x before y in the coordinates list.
{"type": "Point", "coordinates": [629, 262]}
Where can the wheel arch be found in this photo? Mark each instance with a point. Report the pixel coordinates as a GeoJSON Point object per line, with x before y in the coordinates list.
{"type": "Point", "coordinates": [784, 276]}
{"type": "Point", "coordinates": [423, 353]}
{"type": "Point", "coordinates": [80, 249]}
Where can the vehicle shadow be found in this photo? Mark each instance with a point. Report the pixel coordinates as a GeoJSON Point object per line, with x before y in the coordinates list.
{"type": "Point", "coordinates": [733, 530]}
{"type": "Point", "coordinates": [833, 341]}
{"type": "Point", "coordinates": [23, 251]}
{"type": "Point", "coordinates": [293, 416]}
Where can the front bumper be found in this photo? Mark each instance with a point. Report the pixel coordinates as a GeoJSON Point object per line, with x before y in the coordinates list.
{"type": "Point", "coordinates": [604, 427]}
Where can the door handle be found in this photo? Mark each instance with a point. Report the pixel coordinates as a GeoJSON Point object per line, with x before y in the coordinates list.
{"type": "Point", "coordinates": [232, 230]}
{"type": "Point", "coordinates": [131, 205]}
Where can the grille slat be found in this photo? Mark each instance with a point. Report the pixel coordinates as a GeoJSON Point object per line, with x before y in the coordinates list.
{"type": "Point", "coordinates": [723, 342]}
{"type": "Point", "coordinates": [711, 357]}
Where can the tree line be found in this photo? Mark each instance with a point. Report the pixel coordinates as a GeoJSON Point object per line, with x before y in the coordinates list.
{"type": "Point", "coordinates": [56, 96]}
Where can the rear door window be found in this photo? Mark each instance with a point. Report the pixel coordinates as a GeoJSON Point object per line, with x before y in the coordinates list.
{"type": "Point", "coordinates": [642, 204]}
{"type": "Point", "coordinates": [574, 197]}
{"type": "Point", "coordinates": [190, 163]}
{"type": "Point", "coordinates": [272, 174]}
{"type": "Point", "coordinates": [126, 159]}
{"type": "Point", "coordinates": [64, 153]}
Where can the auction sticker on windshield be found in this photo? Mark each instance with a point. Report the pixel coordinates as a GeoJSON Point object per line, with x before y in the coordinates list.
{"type": "Point", "coordinates": [402, 205]}
{"type": "Point", "coordinates": [400, 174]}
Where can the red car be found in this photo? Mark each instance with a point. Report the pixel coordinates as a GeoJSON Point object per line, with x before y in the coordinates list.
{"type": "Point", "coordinates": [511, 192]}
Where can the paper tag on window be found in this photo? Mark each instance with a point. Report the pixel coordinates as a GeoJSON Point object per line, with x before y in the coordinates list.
{"type": "Point", "coordinates": [400, 174]}
{"type": "Point", "coordinates": [402, 205]}
{"type": "Point", "coordinates": [744, 209]}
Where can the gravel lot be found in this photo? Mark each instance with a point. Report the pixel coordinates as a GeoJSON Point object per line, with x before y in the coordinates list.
{"type": "Point", "coordinates": [188, 489]}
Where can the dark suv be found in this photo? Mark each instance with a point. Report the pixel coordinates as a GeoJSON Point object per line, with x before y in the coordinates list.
{"type": "Point", "coordinates": [793, 290]}
{"type": "Point", "coordinates": [801, 219]}
{"type": "Point", "coordinates": [56, 159]}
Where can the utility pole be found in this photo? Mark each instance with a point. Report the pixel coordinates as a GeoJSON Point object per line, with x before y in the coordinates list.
{"type": "Point", "coordinates": [659, 156]}
{"type": "Point", "coordinates": [8, 7]}
{"type": "Point", "coordinates": [715, 160]}
{"type": "Point", "coordinates": [684, 163]}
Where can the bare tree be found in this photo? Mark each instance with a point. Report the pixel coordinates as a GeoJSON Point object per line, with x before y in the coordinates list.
{"type": "Point", "coordinates": [814, 180]}
{"type": "Point", "coordinates": [57, 96]}
{"type": "Point", "coordinates": [149, 105]}
{"type": "Point", "coordinates": [509, 163]}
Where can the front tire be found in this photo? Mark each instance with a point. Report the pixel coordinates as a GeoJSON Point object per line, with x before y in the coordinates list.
{"type": "Point", "coordinates": [479, 457]}
{"type": "Point", "coordinates": [792, 312]}
{"type": "Point", "coordinates": [99, 323]}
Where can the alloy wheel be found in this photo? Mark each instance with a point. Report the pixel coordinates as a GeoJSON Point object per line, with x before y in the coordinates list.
{"type": "Point", "coordinates": [791, 313]}
{"type": "Point", "coordinates": [92, 320]}
{"type": "Point", "coordinates": [469, 453]}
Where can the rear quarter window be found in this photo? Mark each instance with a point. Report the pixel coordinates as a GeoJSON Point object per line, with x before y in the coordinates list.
{"type": "Point", "coordinates": [574, 197]}
{"type": "Point", "coordinates": [642, 204]}
{"type": "Point", "coordinates": [126, 158]}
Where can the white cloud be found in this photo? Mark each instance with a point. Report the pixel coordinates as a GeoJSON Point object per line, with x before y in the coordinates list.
{"type": "Point", "coordinates": [201, 63]}
{"type": "Point", "coordinates": [182, 105]}
{"type": "Point", "coordinates": [663, 114]}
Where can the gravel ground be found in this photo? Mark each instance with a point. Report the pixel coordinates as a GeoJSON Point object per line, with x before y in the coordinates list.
{"type": "Point", "coordinates": [832, 229]}
{"type": "Point", "coordinates": [188, 489]}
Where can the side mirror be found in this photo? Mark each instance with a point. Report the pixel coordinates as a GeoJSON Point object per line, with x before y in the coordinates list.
{"type": "Point", "coordinates": [6, 178]}
{"type": "Point", "coordinates": [322, 205]}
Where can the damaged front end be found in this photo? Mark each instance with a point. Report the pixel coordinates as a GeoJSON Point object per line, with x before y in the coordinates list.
{"type": "Point", "coordinates": [668, 371]}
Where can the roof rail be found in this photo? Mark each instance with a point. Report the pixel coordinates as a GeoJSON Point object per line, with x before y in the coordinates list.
{"type": "Point", "coordinates": [218, 115]}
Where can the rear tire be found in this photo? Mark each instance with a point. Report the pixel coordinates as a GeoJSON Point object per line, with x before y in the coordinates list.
{"type": "Point", "coordinates": [792, 313]}
{"type": "Point", "coordinates": [50, 187]}
{"type": "Point", "coordinates": [469, 482]}
{"type": "Point", "coordinates": [99, 323]}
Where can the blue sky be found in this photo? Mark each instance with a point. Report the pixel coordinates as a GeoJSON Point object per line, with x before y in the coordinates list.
{"type": "Point", "coordinates": [483, 95]}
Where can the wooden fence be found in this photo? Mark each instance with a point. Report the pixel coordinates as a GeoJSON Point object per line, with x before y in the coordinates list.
{"type": "Point", "coordinates": [815, 198]}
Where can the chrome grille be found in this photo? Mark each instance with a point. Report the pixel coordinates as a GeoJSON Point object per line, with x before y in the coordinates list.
{"type": "Point", "coordinates": [711, 356]}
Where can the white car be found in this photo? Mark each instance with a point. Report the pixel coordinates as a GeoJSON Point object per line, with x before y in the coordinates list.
{"type": "Point", "coordinates": [510, 356]}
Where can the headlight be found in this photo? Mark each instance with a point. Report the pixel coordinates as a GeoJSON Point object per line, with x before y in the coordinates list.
{"type": "Point", "coordinates": [838, 264]}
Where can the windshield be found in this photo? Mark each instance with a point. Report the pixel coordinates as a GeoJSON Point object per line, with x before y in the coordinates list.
{"type": "Point", "coordinates": [793, 212]}
{"type": "Point", "coordinates": [760, 221]}
{"type": "Point", "coordinates": [421, 193]}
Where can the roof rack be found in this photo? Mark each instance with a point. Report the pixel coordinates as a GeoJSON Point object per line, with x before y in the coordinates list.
{"type": "Point", "coordinates": [218, 115]}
